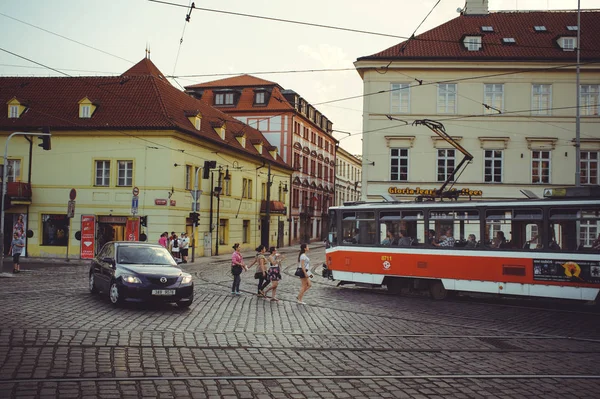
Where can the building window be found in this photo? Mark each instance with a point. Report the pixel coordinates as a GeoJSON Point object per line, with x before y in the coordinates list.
{"type": "Point", "coordinates": [13, 173]}
{"type": "Point", "coordinates": [247, 188]}
{"type": "Point", "coordinates": [102, 173]}
{"type": "Point", "coordinates": [493, 95]}
{"type": "Point", "coordinates": [572, 27]}
{"type": "Point", "coordinates": [227, 187]}
{"type": "Point", "coordinates": [305, 165]}
{"type": "Point", "coordinates": [320, 142]}
{"type": "Point", "coordinates": [14, 111]}
{"type": "Point", "coordinates": [55, 230]}
{"type": "Point", "coordinates": [197, 123]}
{"type": "Point", "coordinates": [263, 191]}
{"type": "Point", "coordinates": [472, 43]}
{"type": "Point", "coordinates": [445, 164]}
{"type": "Point", "coordinates": [190, 176]}
{"type": "Point", "coordinates": [224, 99]}
{"type": "Point", "coordinates": [493, 166]}
{"type": "Point", "coordinates": [313, 167]}
{"type": "Point", "coordinates": [400, 98]}
{"type": "Point", "coordinates": [85, 111]}
{"type": "Point", "coordinates": [539, 28]}
{"type": "Point", "coordinates": [589, 167]}
{"type": "Point", "coordinates": [540, 167]}
{"type": "Point", "coordinates": [541, 99]}
{"type": "Point", "coordinates": [588, 231]}
{"type": "Point", "coordinates": [446, 103]}
{"type": "Point", "coordinates": [319, 170]}
{"type": "Point", "coordinates": [487, 28]}
{"type": "Point", "coordinates": [219, 99]}
{"type": "Point", "coordinates": [509, 40]}
{"type": "Point", "coordinates": [568, 43]}
{"type": "Point", "coordinates": [295, 198]}
{"type": "Point", "coordinates": [125, 174]}
{"type": "Point", "coordinates": [399, 164]}
{"type": "Point", "coordinates": [259, 97]}
{"type": "Point", "coordinates": [223, 231]}
{"type": "Point", "coordinates": [588, 96]}
{"type": "Point", "coordinates": [246, 232]}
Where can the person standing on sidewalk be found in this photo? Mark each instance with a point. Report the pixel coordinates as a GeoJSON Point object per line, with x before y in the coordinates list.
{"type": "Point", "coordinates": [185, 244]}
{"type": "Point", "coordinates": [274, 272]}
{"type": "Point", "coordinates": [237, 267]}
{"type": "Point", "coordinates": [16, 248]}
{"type": "Point", "coordinates": [261, 270]}
{"type": "Point", "coordinates": [303, 271]}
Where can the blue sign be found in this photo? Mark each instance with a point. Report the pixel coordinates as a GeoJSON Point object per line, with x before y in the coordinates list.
{"type": "Point", "coordinates": [134, 204]}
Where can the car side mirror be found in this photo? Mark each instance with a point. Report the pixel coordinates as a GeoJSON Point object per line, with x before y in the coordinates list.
{"type": "Point", "coordinates": [109, 260]}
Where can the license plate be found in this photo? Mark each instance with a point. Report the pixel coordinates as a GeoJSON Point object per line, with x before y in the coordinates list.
{"type": "Point", "coordinates": [163, 292]}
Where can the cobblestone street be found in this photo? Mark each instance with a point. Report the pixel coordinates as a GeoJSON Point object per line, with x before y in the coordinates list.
{"type": "Point", "coordinates": [58, 340]}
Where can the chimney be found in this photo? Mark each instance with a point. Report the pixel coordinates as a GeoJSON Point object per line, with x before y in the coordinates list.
{"type": "Point", "coordinates": [476, 7]}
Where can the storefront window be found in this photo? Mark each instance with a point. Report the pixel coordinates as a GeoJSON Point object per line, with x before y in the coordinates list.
{"type": "Point", "coordinates": [55, 230]}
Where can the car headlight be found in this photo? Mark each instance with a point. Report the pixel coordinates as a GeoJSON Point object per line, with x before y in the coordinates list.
{"type": "Point", "coordinates": [187, 278]}
{"type": "Point", "coordinates": [131, 280]}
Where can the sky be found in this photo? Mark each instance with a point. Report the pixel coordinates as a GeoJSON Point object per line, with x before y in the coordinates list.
{"type": "Point", "coordinates": [106, 37]}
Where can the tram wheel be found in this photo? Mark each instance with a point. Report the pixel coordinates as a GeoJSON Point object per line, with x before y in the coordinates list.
{"type": "Point", "coordinates": [437, 290]}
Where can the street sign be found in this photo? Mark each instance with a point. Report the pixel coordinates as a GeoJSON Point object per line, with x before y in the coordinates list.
{"type": "Point", "coordinates": [71, 209]}
{"type": "Point", "coordinates": [72, 194]}
{"type": "Point", "coordinates": [132, 229]}
{"type": "Point", "coordinates": [88, 234]}
{"type": "Point", "coordinates": [134, 205]}
{"type": "Point", "coordinates": [136, 191]}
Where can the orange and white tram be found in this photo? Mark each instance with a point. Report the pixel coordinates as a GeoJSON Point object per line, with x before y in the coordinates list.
{"type": "Point", "coordinates": [546, 247]}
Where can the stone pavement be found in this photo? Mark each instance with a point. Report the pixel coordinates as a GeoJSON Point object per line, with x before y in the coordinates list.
{"type": "Point", "coordinates": [57, 340]}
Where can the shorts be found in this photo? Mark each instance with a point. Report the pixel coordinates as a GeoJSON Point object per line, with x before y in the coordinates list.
{"type": "Point", "coordinates": [16, 258]}
{"type": "Point", "coordinates": [184, 251]}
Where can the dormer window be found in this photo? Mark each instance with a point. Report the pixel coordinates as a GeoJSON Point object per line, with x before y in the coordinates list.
{"type": "Point", "coordinates": [568, 43]}
{"type": "Point", "coordinates": [13, 111]}
{"type": "Point", "coordinates": [197, 123]}
{"type": "Point", "coordinates": [539, 28]}
{"type": "Point", "coordinates": [472, 43]}
{"type": "Point", "coordinates": [86, 108]}
{"type": "Point", "coordinates": [509, 40]}
{"type": "Point", "coordinates": [259, 97]}
{"type": "Point", "coordinates": [572, 27]}
{"type": "Point", "coordinates": [224, 99]}
{"type": "Point", "coordinates": [487, 28]}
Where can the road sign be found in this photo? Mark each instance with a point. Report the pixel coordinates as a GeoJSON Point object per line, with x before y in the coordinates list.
{"type": "Point", "coordinates": [136, 191]}
{"type": "Point", "coordinates": [71, 209]}
{"type": "Point", "coordinates": [134, 204]}
{"type": "Point", "coordinates": [72, 194]}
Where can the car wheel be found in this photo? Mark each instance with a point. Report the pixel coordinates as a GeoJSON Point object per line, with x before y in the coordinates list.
{"type": "Point", "coordinates": [185, 304]}
{"type": "Point", "coordinates": [92, 284]}
{"type": "Point", "coordinates": [114, 295]}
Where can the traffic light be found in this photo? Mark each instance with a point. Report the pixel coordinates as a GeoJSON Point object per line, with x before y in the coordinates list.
{"type": "Point", "coordinates": [208, 165]}
{"type": "Point", "coordinates": [46, 143]}
{"type": "Point", "coordinates": [144, 221]}
{"type": "Point", "coordinates": [195, 216]}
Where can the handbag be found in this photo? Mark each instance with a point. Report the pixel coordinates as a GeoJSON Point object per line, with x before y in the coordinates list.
{"type": "Point", "coordinates": [236, 270]}
{"type": "Point", "coordinates": [258, 275]}
{"type": "Point", "coordinates": [299, 273]}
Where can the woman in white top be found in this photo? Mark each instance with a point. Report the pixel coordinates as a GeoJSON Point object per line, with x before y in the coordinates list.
{"type": "Point", "coordinates": [305, 275]}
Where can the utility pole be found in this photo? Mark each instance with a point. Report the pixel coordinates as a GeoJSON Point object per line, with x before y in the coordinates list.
{"type": "Point", "coordinates": [577, 118]}
{"type": "Point", "coordinates": [218, 193]}
{"type": "Point", "coordinates": [267, 221]}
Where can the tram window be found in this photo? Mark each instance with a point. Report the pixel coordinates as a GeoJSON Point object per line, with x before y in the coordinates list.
{"type": "Point", "coordinates": [463, 223]}
{"type": "Point", "coordinates": [498, 225]}
{"type": "Point", "coordinates": [528, 214]}
{"type": "Point", "coordinates": [332, 236]}
{"type": "Point", "coordinates": [357, 230]}
{"type": "Point", "coordinates": [389, 215]}
{"type": "Point", "coordinates": [573, 229]}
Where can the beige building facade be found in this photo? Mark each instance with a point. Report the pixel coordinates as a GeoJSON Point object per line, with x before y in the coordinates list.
{"type": "Point", "coordinates": [503, 86]}
{"type": "Point", "coordinates": [348, 172]}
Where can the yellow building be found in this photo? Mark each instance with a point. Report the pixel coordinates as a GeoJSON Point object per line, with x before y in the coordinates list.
{"type": "Point", "coordinates": [348, 169]}
{"type": "Point", "coordinates": [503, 85]}
{"type": "Point", "coordinates": [114, 137]}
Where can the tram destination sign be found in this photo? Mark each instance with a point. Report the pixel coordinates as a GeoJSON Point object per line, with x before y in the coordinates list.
{"type": "Point", "coordinates": [463, 192]}
{"type": "Point", "coordinates": [566, 270]}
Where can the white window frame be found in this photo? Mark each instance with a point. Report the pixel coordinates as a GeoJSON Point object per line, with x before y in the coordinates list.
{"type": "Point", "coordinates": [219, 98]}
{"type": "Point", "coordinates": [572, 28]}
{"type": "Point", "coordinates": [588, 231]}
{"type": "Point", "coordinates": [540, 28]}
{"type": "Point", "coordinates": [14, 111]}
{"type": "Point", "coordinates": [590, 167]}
{"type": "Point", "coordinates": [472, 43]}
{"type": "Point", "coordinates": [537, 162]}
{"type": "Point", "coordinates": [402, 156]}
{"type": "Point", "coordinates": [493, 96]}
{"type": "Point", "coordinates": [103, 166]}
{"type": "Point", "coordinates": [400, 95]}
{"type": "Point", "coordinates": [86, 111]}
{"type": "Point", "coordinates": [124, 173]}
{"type": "Point", "coordinates": [492, 157]}
{"type": "Point", "coordinates": [259, 97]}
{"type": "Point", "coordinates": [446, 91]}
{"type": "Point", "coordinates": [589, 98]}
{"type": "Point", "coordinates": [197, 123]}
{"type": "Point", "coordinates": [568, 43]}
{"type": "Point", "coordinates": [447, 156]}
{"type": "Point", "coordinates": [509, 40]}
{"type": "Point", "coordinates": [487, 28]}
{"type": "Point", "coordinates": [228, 98]}
{"type": "Point", "coordinates": [538, 93]}
{"type": "Point", "coordinates": [13, 173]}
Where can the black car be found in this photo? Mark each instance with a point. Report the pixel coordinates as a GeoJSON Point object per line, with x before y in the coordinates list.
{"type": "Point", "coordinates": [138, 272]}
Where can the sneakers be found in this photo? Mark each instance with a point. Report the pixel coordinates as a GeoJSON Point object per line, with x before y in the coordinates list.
{"type": "Point", "coordinates": [232, 292]}
{"type": "Point", "coordinates": [238, 293]}
{"type": "Point", "coordinates": [301, 303]}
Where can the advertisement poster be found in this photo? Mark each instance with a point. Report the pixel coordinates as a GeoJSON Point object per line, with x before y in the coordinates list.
{"type": "Point", "coordinates": [566, 270]}
{"type": "Point", "coordinates": [20, 228]}
{"type": "Point", "coordinates": [132, 229]}
{"type": "Point", "coordinates": [88, 236]}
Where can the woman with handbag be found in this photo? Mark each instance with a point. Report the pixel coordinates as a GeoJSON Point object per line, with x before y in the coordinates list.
{"type": "Point", "coordinates": [274, 272]}
{"type": "Point", "coordinates": [261, 270]}
{"type": "Point", "coordinates": [237, 266]}
{"type": "Point", "coordinates": [303, 271]}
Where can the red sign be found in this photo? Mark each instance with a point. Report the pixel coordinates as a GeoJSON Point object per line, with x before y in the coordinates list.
{"type": "Point", "coordinates": [132, 229]}
{"type": "Point", "coordinates": [173, 202]}
{"type": "Point", "coordinates": [88, 236]}
{"type": "Point", "coordinates": [160, 202]}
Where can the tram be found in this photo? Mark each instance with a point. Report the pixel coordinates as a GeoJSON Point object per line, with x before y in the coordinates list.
{"type": "Point", "coordinates": [540, 247]}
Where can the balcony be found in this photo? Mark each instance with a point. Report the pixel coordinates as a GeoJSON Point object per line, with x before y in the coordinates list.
{"type": "Point", "coordinates": [17, 193]}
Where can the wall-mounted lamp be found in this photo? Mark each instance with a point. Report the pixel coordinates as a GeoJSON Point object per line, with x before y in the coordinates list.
{"type": "Point", "coordinates": [176, 165]}
{"type": "Point", "coordinates": [285, 189]}
{"type": "Point", "coordinates": [521, 155]}
{"type": "Point", "coordinates": [566, 154]}
{"type": "Point", "coordinates": [227, 175]}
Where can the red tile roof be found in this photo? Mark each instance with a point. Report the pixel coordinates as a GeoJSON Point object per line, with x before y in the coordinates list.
{"type": "Point", "coordinates": [246, 101]}
{"type": "Point", "coordinates": [141, 98]}
{"type": "Point", "coordinates": [445, 42]}
{"type": "Point", "coordinates": [236, 81]}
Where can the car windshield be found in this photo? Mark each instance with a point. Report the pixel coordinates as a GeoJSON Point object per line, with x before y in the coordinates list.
{"type": "Point", "coordinates": [144, 255]}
